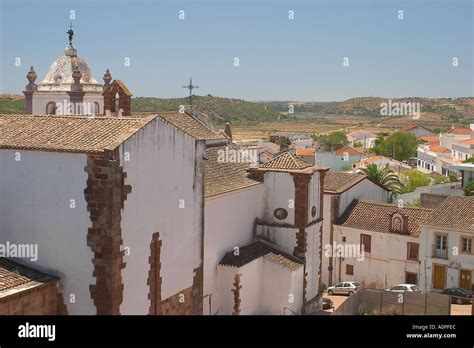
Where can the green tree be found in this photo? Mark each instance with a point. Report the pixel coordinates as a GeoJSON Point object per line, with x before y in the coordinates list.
{"type": "Point", "coordinates": [441, 180]}
{"type": "Point", "coordinates": [400, 146]}
{"type": "Point", "coordinates": [385, 177]}
{"type": "Point", "coordinates": [333, 140]}
{"type": "Point", "coordinates": [469, 160]}
{"type": "Point", "coordinates": [469, 189]}
{"type": "Point", "coordinates": [413, 179]}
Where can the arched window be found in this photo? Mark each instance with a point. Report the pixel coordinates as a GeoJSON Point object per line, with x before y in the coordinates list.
{"type": "Point", "coordinates": [96, 108]}
{"type": "Point", "coordinates": [117, 103]}
{"type": "Point", "coordinates": [51, 108]}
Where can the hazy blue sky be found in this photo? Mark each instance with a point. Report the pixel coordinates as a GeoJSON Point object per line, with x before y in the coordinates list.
{"type": "Point", "coordinates": [280, 59]}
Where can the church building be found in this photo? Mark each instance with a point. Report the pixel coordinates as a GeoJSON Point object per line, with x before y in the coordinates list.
{"type": "Point", "coordinates": [138, 213]}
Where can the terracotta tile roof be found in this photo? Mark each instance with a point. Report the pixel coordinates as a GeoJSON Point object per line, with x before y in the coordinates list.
{"type": "Point", "coordinates": [455, 212]}
{"type": "Point", "coordinates": [439, 149]}
{"type": "Point", "coordinates": [468, 141]}
{"type": "Point", "coordinates": [409, 127]}
{"type": "Point", "coordinates": [15, 277]}
{"type": "Point", "coordinates": [190, 126]}
{"type": "Point", "coordinates": [347, 149]}
{"type": "Point", "coordinates": [121, 85]}
{"type": "Point", "coordinates": [460, 131]}
{"type": "Point", "coordinates": [221, 177]}
{"type": "Point", "coordinates": [257, 249]}
{"type": "Point", "coordinates": [375, 216]}
{"type": "Point", "coordinates": [337, 182]}
{"type": "Point", "coordinates": [286, 161]}
{"type": "Point", "coordinates": [67, 133]}
{"type": "Point", "coordinates": [430, 139]}
{"type": "Point", "coordinates": [305, 152]}
{"type": "Point", "coordinates": [371, 159]}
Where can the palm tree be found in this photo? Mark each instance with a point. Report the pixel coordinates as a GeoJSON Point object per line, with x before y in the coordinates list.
{"type": "Point", "coordinates": [385, 177]}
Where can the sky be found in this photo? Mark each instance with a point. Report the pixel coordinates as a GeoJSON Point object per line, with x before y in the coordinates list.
{"type": "Point", "coordinates": [279, 58]}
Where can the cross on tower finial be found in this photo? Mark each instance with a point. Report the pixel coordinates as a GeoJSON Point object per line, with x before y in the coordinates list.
{"type": "Point", "coordinates": [70, 32]}
{"type": "Point", "coordinates": [191, 87]}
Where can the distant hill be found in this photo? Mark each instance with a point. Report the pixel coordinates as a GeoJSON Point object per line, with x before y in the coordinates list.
{"type": "Point", "coordinates": [12, 104]}
{"type": "Point", "coordinates": [242, 113]}
{"type": "Point", "coordinates": [453, 109]}
{"type": "Point", "coordinates": [219, 110]}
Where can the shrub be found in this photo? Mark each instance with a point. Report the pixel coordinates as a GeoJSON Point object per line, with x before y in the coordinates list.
{"type": "Point", "coordinates": [469, 189]}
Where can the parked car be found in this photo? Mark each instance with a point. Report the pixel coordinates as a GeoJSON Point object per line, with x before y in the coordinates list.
{"type": "Point", "coordinates": [458, 295]}
{"type": "Point", "coordinates": [327, 303]}
{"type": "Point", "coordinates": [404, 288]}
{"type": "Point", "coordinates": [344, 288]}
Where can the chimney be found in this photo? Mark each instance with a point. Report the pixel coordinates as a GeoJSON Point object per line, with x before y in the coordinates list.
{"type": "Point", "coordinates": [228, 131]}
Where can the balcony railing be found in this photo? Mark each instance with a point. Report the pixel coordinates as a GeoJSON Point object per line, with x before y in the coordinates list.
{"type": "Point", "coordinates": [440, 253]}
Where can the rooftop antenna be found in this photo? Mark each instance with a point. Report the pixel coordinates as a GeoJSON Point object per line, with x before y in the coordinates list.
{"type": "Point", "coordinates": [191, 87]}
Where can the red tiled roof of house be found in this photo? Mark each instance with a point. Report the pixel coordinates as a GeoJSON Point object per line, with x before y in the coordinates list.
{"type": "Point", "coordinates": [15, 277]}
{"type": "Point", "coordinates": [371, 159]}
{"type": "Point", "coordinates": [256, 249]}
{"type": "Point", "coordinates": [286, 161]}
{"type": "Point", "coordinates": [81, 134]}
{"type": "Point", "coordinates": [349, 150]}
{"type": "Point", "coordinates": [409, 127]}
{"type": "Point", "coordinates": [305, 152]}
{"type": "Point", "coordinates": [375, 216]}
{"type": "Point", "coordinates": [430, 139]}
{"type": "Point", "coordinates": [222, 177]}
{"type": "Point", "coordinates": [439, 149]}
{"type": "Point", "coordinates": [455, 212]}
{"type": "Point", "coordinates": [468, 141]}
{"type": "Point", "coordinates": [460, 131]}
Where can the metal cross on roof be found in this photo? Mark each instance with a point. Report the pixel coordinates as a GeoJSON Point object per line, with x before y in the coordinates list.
{"type": "Point", "coordinates": [191, 87]}
{"type": "Point", "coordinates": [70, 32]}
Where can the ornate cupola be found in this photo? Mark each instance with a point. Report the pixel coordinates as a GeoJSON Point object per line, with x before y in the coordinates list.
{"type": "Point", "coordinates": [68, 81]}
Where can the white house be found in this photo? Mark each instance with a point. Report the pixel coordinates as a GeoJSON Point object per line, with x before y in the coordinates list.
{"type": "Point", "coordinates": [114, 205]}
{"type": "Point", "coordinates": [378, 244]}
{"type": "Point", "coordinates": [340, 189]}
{"type": "Point", "coordinates": [446, 243]}
{"type": "Point", "coordinates": [361, 137]}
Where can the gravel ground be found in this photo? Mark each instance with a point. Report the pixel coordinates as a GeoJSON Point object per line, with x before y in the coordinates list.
{"type": "Point", "coordinates": [461, 309]}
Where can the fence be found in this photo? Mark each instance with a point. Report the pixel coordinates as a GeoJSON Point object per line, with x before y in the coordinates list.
{"type": "Point", "coordinates": [379, 302]}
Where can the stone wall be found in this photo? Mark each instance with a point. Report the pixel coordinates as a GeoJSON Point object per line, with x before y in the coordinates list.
{"type": "Point", "coordinates": [39, 300]}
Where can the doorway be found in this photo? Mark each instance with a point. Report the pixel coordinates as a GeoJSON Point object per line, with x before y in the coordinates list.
{"type": "Point", "coordinates": [439, 272]}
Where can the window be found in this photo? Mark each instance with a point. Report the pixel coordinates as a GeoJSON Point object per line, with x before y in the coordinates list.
{"type": "Point", "coordinates": [313, 211]}
{"type": "Point", "coordinates": [365, 240]}
{"type": "Point", "coordinates": [412, 252]}
{"type": "Point", "coordinates": [350, 269]}
{"type": "Point", "coordinates": [466, 244]}
{"type": "Point", "coordinates": [411, 278]}
{"type": "Point", "coordinates": [280, 214]}
{"type": "Point", "coordinates": [343, 239]}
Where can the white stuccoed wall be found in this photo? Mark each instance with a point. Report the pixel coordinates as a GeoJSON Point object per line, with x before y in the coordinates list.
{"type": "Point", "coordinates": [388, 258]}
{"type": "Point", "coordinates": [229, 223]}
{"type": "Point", "coordinates": [35, 208]}
{"type": "Point", "coordinates": [276, 298]}
{"type": "Point", "coordinates": [161, 172]}
{"type": "Point", "coordinates": [364, 190]}
{"type": "Point", "coordinates": [427, 240]}
{"type": "Point", "coordinates": [280, 190]}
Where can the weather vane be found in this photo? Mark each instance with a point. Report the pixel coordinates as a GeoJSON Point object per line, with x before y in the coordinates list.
{"type": "Point", "coordinates": [70, 32]}
{"type": "Point", "coordinates": [191, 87]}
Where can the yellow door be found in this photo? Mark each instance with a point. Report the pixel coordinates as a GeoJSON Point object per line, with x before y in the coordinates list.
{"type": "Point", "coordinates": [438, 277]}
{"type": "Point", "coordinates": [465, 281]}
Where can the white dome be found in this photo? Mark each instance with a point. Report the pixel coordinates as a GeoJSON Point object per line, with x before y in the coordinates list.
{"type": "Point", "coordinates": [59, 76]}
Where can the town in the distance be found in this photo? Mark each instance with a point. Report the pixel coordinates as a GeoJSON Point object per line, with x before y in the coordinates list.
{"type": "Point", "coordinates": [115, 204]}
